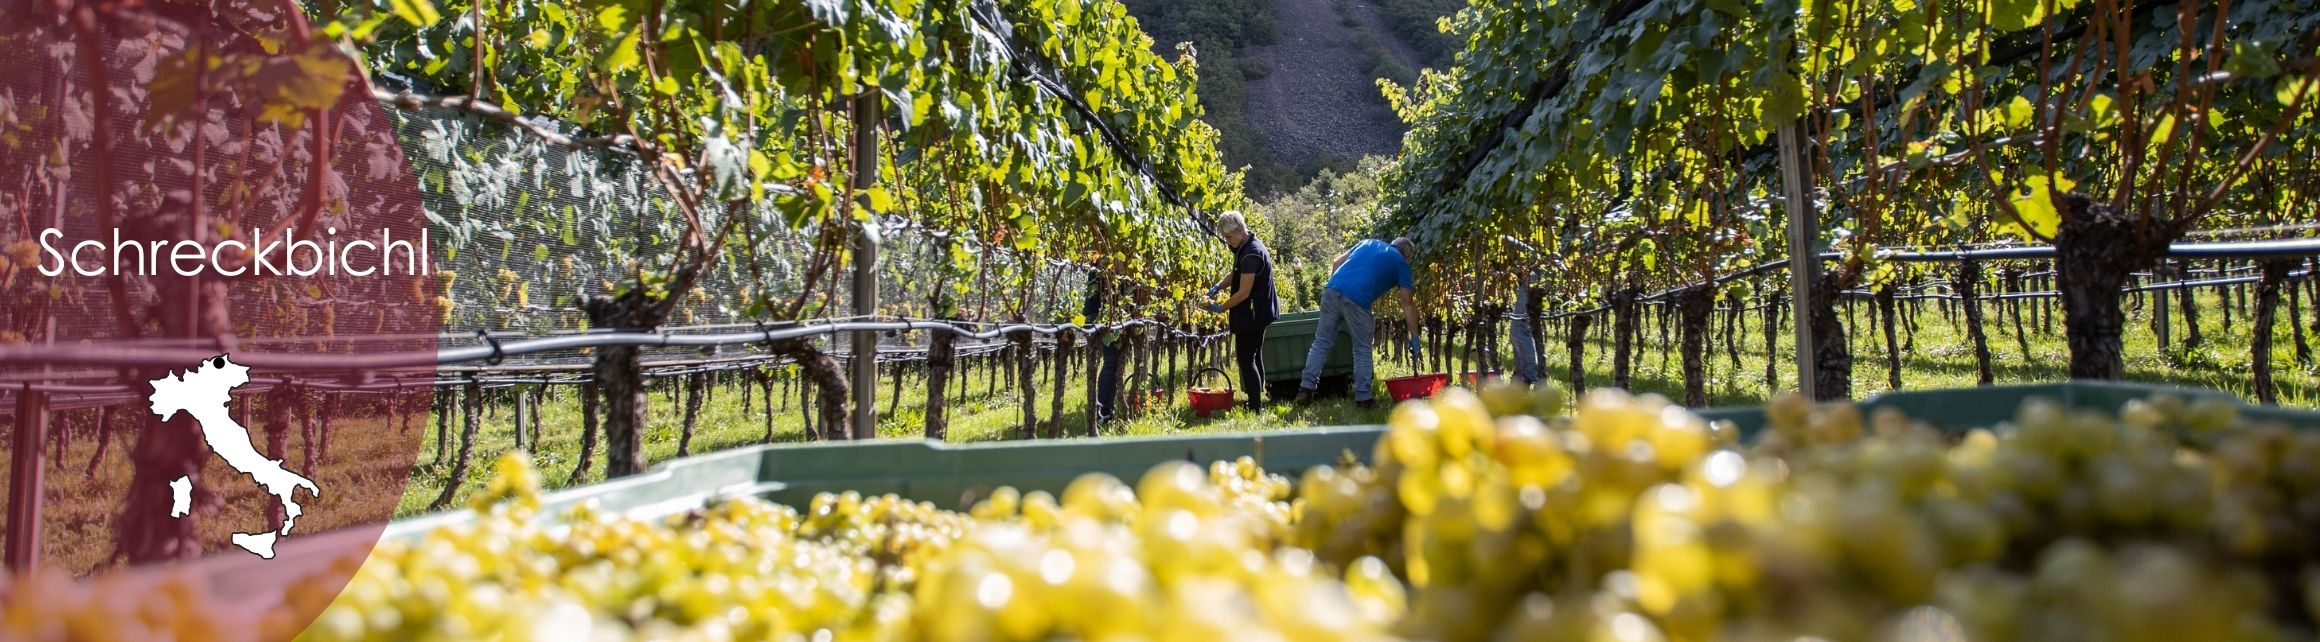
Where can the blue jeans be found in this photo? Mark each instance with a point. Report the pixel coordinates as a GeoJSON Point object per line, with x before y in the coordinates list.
{"type": "Point", "coordinates": [1526, 351]}
{"type": "Point", "coordinates": [1338, 312]}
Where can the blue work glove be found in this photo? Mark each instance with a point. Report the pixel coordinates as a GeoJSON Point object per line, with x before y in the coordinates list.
{"type": "Point", "coordinates": [1414, 348]}
{"type": "Point", "coordinates": [1212, 307]}
{"type": "Point", "coordinates": [1213, 289]}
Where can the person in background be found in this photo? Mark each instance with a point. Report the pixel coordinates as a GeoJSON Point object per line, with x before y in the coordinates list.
{"type": "Point", "coordinates": [1107, 400]}
{"type": "Point", "coordinates": [1252, 306]}
{"type": "Point", "coordinates": [1357, 279]}
{"type": "Point", "coordinates": [1526, 351]}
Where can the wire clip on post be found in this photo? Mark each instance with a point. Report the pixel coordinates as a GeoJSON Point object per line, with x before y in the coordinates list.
{"type": "Point", "coordinates": [498, 354]}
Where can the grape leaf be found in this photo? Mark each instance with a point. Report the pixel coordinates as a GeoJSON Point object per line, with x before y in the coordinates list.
{"type": "Point", "coordinates": [2040, 219]}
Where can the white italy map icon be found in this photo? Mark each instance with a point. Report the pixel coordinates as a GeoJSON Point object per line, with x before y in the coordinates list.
{"type": "Point", "coordinates": [202, 392]}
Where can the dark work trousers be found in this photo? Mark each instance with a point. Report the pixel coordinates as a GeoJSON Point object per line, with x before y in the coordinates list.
{"type": "Point", "coordinates": [1108, 385]}
{"type": "Point", "coordinates": [1249, 352]}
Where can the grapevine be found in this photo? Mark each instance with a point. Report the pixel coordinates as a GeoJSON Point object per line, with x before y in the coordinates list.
{"type": "Point", "coordinates": [1639, 136]}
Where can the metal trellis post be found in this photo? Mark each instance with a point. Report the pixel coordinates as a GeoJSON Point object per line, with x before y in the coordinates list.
{"type": "Point", "coordinates": [1803, 260]}
{"type": "Point", "coordinates": [865, 362]}
{"type": "Point", "coordinates": [24, 480]}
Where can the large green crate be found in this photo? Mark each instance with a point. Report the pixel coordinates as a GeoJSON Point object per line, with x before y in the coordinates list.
{"type": "Point", "coordinates": [950, 476]}
{"type": "Point", "coordinates": [1966, 408]}
{"type": "Point", "coordinates": [1291, 338]}
{"type": "Point", "coordinates": [956, 475]}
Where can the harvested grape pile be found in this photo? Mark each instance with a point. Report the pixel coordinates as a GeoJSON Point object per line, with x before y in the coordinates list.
{"type": "Point", "coordinates": [1487, 517]}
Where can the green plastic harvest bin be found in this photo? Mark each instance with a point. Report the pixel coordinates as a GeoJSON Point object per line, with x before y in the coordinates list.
{"type": "Point", "coordinates": [1960, 409]}
{"type": "Point", "coordinates": [1290, 338]}
{"type": "Point", "coordinates": [956, 475]}
{"type": "Point", "coordinates": [952, 476]}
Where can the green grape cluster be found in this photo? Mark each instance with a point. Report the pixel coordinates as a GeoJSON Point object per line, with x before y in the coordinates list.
{"type": "Point", "coordinates": [2167, 521]}
{"type": "Point", "coordinates": [1484, 501]}
{"type": "Point", "coordinates": [1489, 516]}
{"type": "Point", "coordinates": [49, 605]}
{"type": "Point", "coordinates": [737, 569]}
{"type": "Point", "coordinates": [1186, 554]}
{"type": "Point", "coordinates": [1633, 520]}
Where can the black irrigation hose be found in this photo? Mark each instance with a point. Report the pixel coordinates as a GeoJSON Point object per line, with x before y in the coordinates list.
{"type": "Point", "coordinates": [2186, 251]}
{"type": "Point", "coordinates": [2047, 294]}
{"type": "Point", "coordinates": [496, 350]}
{"type": "Point", "coordinates": [2208, 251]}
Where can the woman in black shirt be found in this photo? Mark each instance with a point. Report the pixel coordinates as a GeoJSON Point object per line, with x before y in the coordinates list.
{"type": "Point", "coordinates": [1252, 306]}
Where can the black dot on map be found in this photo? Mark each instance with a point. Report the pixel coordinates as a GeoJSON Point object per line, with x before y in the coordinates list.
{"type": "Point", "coordinates": [218, 362]}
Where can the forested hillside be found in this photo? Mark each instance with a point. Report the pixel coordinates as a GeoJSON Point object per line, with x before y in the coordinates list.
{"type": "Point", "coordinates": [1291, 85]}
{"type": "Point", "coordinates": [1217, 29]}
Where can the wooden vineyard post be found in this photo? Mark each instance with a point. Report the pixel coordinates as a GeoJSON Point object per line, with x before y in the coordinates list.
{"type": "Point", "coordinates": [2159, 320]}
{"type": "Point", "coordinates": [1058, 372]}
{"type": "Point", "coordinates": [2271, 273]}
{"type": "Point", "coordinates": [443, 400]}
{"type": "Point", "coordinates": [1095, 361]}
{"type": "Point", "coordinates": [1173, 347]}
{"type": "Point", "coordinates": [1803, 262]}
{"type": "Point", "coordinates": [941, 352]}
{"type": "Point", "coordinates": [523, 405]}
{"type": "Point", "coordinates": [24, 487]}
{"type": "Point", "coordinates": [1969, 283]}
{"type": "Point", "coordinates": [588, 399]}
{"type": "Point", "coordinates": [693, 384]}
{"type": "Point", "coordinates": [1771, 363]}
{"type": "Point", "coordinates": [865, 362]}
{"type": "Point", "coordinates": [893, 399]}
{"type": "Point", "coordinates": [471, 413]}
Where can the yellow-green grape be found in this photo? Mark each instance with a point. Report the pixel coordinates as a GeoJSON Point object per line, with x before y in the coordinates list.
{"type": "Point", "coordinates": [1548, 399]}
{"type": "Point", "coordinates": [1004, 502]}
{"type": "Point", "coordinates": [1412, 436]}
{"type": "Point", "coordinates": [1040, 510]}
{"type": "Point", "coordinates": [2209, 414]}
{"type": "Point", "coordinates": [2142, 413]}
{"type": "Point", "coordinates": [1505, 397]}
{"type": "Point", "coordinates": [1099, 496]}
{"type": "Point", "coordinates": [1382, 598]}
{"type": "Point", "coordinates": [1178, 485]}
{"type": "Point", "coordinates": [1464, 422]}
{"type": "Point", "coordinates": [1533, 454]}
{"type": "Point", "coordinates": [1840, 524]}
{"type": "Point", "coordinates": [1479, 518]}
{"type": "Point", "coordinates": [513, 483]}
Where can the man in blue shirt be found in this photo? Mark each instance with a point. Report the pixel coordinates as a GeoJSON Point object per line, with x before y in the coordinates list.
{"type": "Point", "coordinates": [1358, 278]}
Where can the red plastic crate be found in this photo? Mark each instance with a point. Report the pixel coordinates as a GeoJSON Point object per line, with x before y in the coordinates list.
{"type": "Point", "coordinates": [1416, 386]}
{"type": "Point", "coordinates": [1209, 401]}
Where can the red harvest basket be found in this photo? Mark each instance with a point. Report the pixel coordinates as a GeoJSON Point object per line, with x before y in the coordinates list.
{"type": "Point", "coordinates": [1416, 386]}
{"type": "Point", "coordinates": [1206, 401]}
{"type": "Point", "coordinates": [1475, 379]}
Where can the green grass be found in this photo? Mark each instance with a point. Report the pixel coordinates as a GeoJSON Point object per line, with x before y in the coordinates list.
{"type": "Point", "coordinates": [80, 503]}
{"type": "Point", "coordinates": [1940, 358]}
{"type": "Point", "coordinates": [983, 415]}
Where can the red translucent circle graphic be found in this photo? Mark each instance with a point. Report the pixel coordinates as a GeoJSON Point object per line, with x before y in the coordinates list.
{"type": "Point", "coordinates": [218, 317]}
